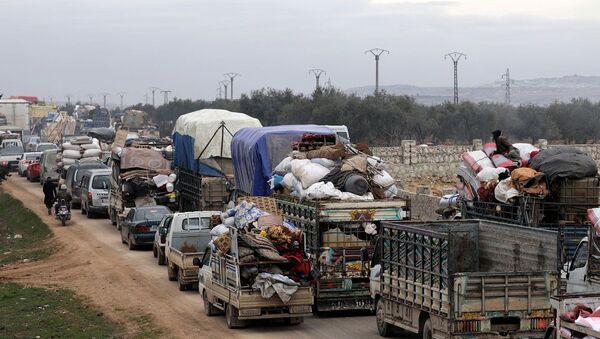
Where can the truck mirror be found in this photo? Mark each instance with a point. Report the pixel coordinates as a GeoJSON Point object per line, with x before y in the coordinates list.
{"type": "Point", "coordinates": [197, 262]}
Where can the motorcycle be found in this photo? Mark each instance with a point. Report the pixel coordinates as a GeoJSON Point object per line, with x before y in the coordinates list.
{"type": "Point", "coordinates": [62, 212]}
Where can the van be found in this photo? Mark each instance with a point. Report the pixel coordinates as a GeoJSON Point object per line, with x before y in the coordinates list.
{"type": "Point", "coordinates": [341, 131]}
{"type": "Point", "coordinates": [48, 166]}
{"type": "Point", "coordinates": [73, 180]}
{"type": "Point", "coordinates": [95, 186]}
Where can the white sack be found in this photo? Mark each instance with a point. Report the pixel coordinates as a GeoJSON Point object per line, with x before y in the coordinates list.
{"type": "Point", "coordinates": [525, 150]}
{"type": "Point", "coordinates": [68, 161]}
{"type": "Point", "coordinates": [92, 153]}
{"type": "Point", "coordinates": [90, 146]}
{"type": "Point", "coordinates": [219, 230]}
{"type": "Point", "coordinates": [69, 146]}
{"type": "Point", "coordinates": [160, 180]}
{"type": "Point", "coordinates": [328, 163]}
{"type": "Point", "coordinates": [391, 192]}
{"type": "Point", "coordinates": [488, 174]}
{"type": "Point", "coordinates": [384, 179]}
{"type": "Point", "coordinates": [289, 181]}
{"type": "Point", "coordinates": [308, 172]}
{"type": "Point", "coordinates": [71, 154]}
{"type": "Point", "coordinates": [284, 166]}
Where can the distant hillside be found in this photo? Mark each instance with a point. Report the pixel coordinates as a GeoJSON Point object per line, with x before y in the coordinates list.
{"type": "Point", "coordinates": [542, 91]}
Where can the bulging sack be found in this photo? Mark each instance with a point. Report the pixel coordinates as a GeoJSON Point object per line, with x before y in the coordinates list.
{"type": "Point", "coordinates": [384, 179]}
{"type": "Point", "coordinates": [284, 166]}
{"type": "Point", "coordinates": [71, 154]}
{"type": "Point", "coordinates": [310, 173]}
{"type": "Point", "coordinates": [477, 160]}
{"type": "Point", "coordinates": [92, 153]}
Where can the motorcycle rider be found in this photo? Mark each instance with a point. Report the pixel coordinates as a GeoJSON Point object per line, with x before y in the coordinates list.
{"type": "Point", "coordinates": [49, 194]}
{"type": "Point", "coordinates": [62, 195]}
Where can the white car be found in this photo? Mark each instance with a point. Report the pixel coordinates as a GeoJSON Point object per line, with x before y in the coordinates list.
{"type": "Point", "coordinates": [160, 238]}
{"type": "Point", "coordinates": [27, 159]}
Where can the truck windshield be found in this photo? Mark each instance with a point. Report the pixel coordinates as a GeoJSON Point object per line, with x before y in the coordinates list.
{"type": "Point", "coordinates": [100, 182]}
{"type": "Point", "coordinates": [41, 148]}
{"type": "Point", "coordinates": [193, 224]}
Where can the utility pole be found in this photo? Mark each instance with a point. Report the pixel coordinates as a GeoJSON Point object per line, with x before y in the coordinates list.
{"type": "Point", "coordinates": [121, 94]}
{"type": "Point", "coordinates": [506, 76]}
{"type": "Point", "coordinates": [377, 52]}
{"type": "Point", "coordinates": [317, 73]}
{"type": "Point", "coordinates": [51, 100]}
{"type": "Point", "coordinates": [104, 95]}
{"type": "Point", "coordinates": [455, 57]}
{"type": "Point", "coordinates": [220, 92]}
{"type": "Point", "coordinates": [91, 96]}
{"type": "Point", "coordinates": [231, 76]}
{"type": "Point", "coordinates": [225, 84]}
{"type": "Point", "coordinates": [146, 97]}
{"type": "Point", "coordinates": [68, 96]}
{"type": "Point", "coordinates": [153, 89]}
{"type": "Point", "coordinates": [166, 96]}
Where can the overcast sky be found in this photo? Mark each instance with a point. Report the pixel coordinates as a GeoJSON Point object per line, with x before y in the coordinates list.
{"type": "Point", "coordinates": [58, 47]}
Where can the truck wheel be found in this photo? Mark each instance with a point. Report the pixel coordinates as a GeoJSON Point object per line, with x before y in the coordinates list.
{"type": "Point", "coordinates": [231, 314]}
{"type": "Point", "coordinates": [161, 258]}
{"type": "Point", "coordinates": [209, 309]}
{"type": "Point", "coordinates": [427, 331]}
{"type": "Point", "coordinates": [130, 243]}
{"type": "Point", "coordinates": [171, 273]}
{"type": "Point", "coordinates": [182, 286]}
{"type": "Point", "coordinates": [384, 329]}
{"type": "Point", "coordinates": [294, 321]}
{"type": "Point", "coordinates": [113, 219]}
{"type": "Point", "coordinates": [154, 253]}
{"type": "Point", "coordinates": [83, 210]}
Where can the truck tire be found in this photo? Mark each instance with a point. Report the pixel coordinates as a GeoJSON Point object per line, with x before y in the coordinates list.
{"type": "Point", "coordinates": [182, 286]}
{"type": "Point", "coordinates": [427, 330]}
{"type": "Point", "coordinates": [231, 314]}
{"type": "Point", "coordinates": [154, 252]}
{"type": "Point", "coordinates": [130, 243]}
{"type": "Point", "coordinates": [294, 321]}
{"type": "Point", "coordinates": [161, 258]}
{"type": "Point", "coordinates": [384, 329]}
{"type": "Point", "coordinates": [209, 309]}
{"type": "Point", "coordinates": [112, 215]}
{"type": "Point", "coordinates": [171, 273]}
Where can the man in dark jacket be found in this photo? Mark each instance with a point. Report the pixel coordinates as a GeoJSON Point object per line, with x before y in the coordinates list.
{"type": "Point", "coordinates": [504, 147]}
{"type": "Point", "coordinates": [49, 194]}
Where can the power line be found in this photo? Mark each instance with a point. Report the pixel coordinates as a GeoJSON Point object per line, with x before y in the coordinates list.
{"type": "Point", "coordinates": [153, 90]}
{"type": "Point", "coordinates": [121, 94]}
{"type": "Point", "coordinates": [377, 52]}
{"type": "Point", "coordinates": [231, 76]}
{"type": "Point", "coordinates": [166, 95]}
{"type": "Point", "coordinates": [317, 73]}
{"type": "Point", "coordinates": [507, 84]}
{"type": "Point", "coordinates": [455, 56]}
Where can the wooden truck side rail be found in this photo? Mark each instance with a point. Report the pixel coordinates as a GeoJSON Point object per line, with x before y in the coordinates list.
{"type": "Point", "coordinates": [566, 302]}
{"type": "Point", "coordinates": [187, 271]}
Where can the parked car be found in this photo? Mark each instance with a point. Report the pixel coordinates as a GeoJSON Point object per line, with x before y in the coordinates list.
{"type": "Point", "coordinates": [45, 146]}
{"type": "Point", "coordinates": [48, 166]}
{"type": "Point", "coordinates": [160, 238]}
{"type": "Point", "coordinates": [94, 192]}
{"type": "Point", "coordinates": [30, 147]}
{"type": "Point", "coordinates": [26, 160]}
{"type": "Point", "coordinates": [73, 180]}
{"type": "Point", "coordinates": [10, 156]}
{"type": "Point", "coordinates": [33, 171]}
{"type": "Point", "coordinates": [140, 225]}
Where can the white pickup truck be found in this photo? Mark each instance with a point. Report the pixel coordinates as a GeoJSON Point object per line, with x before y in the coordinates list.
{"type": "Point", "coordinates": [188, 236]}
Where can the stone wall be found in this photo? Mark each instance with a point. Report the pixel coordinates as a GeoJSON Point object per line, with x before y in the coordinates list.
{"type": "Point", "coordinates": [438, 164]}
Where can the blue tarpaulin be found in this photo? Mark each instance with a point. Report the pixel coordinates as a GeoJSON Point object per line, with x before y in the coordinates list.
{"type": "Point", "coordinates": [183, 157]}
{"type": "Point", "coordinates": [256, 151]}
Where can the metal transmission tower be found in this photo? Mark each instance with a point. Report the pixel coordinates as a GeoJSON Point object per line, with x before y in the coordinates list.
{"type": "Point", "coordinates": [506, 76]}
{"type": "Point", "coordinates": [377, 52]}
{"type": "Point", "coordinates": [91, 96]}
{"type": "Point", "coordinates": [153, 90]}
{"type": "Point", "coordinates": [220, 92]}
{"type": "Point", "coordinates": [225, 83]}
{"type": "Point", "coordinates": [317, 73]}
{"type": "Point", "coordinates": [104, 95]}
{"type": "Point", "coordinates": [455, 56]}
{"type": "Point", "coordinates": [68, 96]}
{"type": "Point", "coordinates": [121, 94]}
{"type": "Point", "coordinates": [146, 97]}
{"type": "Point", "coordinates": [166, 96]}
{"type": "Point", "coordinates": [231, 76]}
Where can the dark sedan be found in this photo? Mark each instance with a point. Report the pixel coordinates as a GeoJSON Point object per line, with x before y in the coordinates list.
{"type": "Point", "coordinates": [140, 224]}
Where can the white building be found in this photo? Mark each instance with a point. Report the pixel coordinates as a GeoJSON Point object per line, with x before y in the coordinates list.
{"type": "Point", "coordinates": [16, 112]}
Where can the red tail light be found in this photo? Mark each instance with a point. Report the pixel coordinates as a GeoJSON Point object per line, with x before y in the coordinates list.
{"type": "Point", "coordinates": [89, 195]}
{"type": "Point", "coordinates": [5, 163]}
{"type": "Point", "coordinates": [142, 229]}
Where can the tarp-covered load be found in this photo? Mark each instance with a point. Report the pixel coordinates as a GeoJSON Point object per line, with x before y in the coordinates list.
{"type": "Point", "coordinates": [564, 162]}
{"type": "Point", "coordinates": [145, 159]}
{"type": "Point", "coordinates": [256, 152]}
{"type": "Point", "coordinates": [207, 134]}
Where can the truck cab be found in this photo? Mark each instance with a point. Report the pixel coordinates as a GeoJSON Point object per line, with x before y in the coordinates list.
{"type": "Point", "coordinates": [577, 271]}
{"type": "Point", "coordinates": [186, 239]}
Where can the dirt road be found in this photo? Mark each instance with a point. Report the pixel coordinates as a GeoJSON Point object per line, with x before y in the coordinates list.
{"type": "Point", "coordinates": [93, 262]}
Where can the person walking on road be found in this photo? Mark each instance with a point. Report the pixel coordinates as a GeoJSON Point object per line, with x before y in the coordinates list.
{"type": "Point", "coordinates": [49, 194]}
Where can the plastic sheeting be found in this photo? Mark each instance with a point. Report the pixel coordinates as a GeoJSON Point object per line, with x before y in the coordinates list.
{"type": "Point", "coordinates": [256, 151]}
{"type": "Point", "coordinates": [564, 162]}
